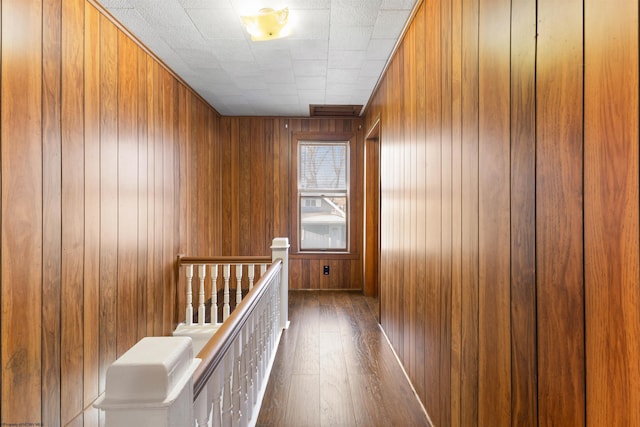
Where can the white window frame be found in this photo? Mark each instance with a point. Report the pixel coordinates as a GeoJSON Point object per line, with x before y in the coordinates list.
{"type": "Point", "coordinates": [324, 192]}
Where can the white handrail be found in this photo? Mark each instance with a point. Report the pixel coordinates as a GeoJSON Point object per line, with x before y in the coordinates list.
{"type": "Point", "coordinates": [227, 388]}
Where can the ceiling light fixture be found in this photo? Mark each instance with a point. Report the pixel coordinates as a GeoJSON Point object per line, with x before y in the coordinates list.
{"type": "Point", "coordinates": [268, 24]}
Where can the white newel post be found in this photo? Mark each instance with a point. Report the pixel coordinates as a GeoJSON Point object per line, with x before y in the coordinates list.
{"type": "Point", "coordinates": [151, 385]}
{"type": "Point", "coordinates": [280, 250]}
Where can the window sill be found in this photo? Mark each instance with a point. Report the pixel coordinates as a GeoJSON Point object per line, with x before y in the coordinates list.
{"type": "Point", "coordinates": [324, 255]}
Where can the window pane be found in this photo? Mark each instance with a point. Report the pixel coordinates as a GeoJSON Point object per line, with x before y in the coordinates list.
{"type": "Point", "coordinates": [322, 167]}
{"type": "Point", "coordinates": [323, 222]}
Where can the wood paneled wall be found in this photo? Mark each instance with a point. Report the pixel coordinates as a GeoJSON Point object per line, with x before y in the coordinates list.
{"type": "Point", "coordinates": [101, 147]}
{"type": "Point", "coordinates": [510, 211]}
{"type": "Point", "coordinates": [256, 195]}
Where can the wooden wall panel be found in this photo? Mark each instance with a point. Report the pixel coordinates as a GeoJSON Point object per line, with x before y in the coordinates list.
{"type": "Point", "coordinates": [51, 210]}
{"type": "Point", "coordinates": [611, 214]}
{"type": "Point", "coordinates": [22, 217]}
{"type": "Point", "coordinates": [108, 195]}
{"type": "Point", "coordinates": [90, 183]}
{"type": "Point", "coordinates": [559, 214]}
{"type": "Point", "coordinates": [494, 311]}
{"type": "Point", "coordinates": [469, 216]}
{"type": "Point", "coordinates": [259, 215]}
{"type": "Point", "coordinates": [244, 185]}
{"type": "Point", "coordinates": [142, 283]}
{"type": "Point", "coordinates": [456, 210]}
{"type": "Point", "coordinates": [127, 179]}
{"type": "Point", "coordinates": [256, 190]}
{"type": "Point", "coordinates": [537, 254]}
{"type": "Point", "coordinates": [156, 128]}
{"type": "Point", "coordinates": [486, 179]}
{"type": "Point", "coordinates": [434, 206]}
{"type": "Point", "coordinates": [169, 210]}
{"type": "Point", "coordinates": [443, 412]}
{"type": "Point", "coordinates": [523, 278]}
{"type": "Point", "coordinates": [92, 206]}
{"type": "Point", "coordinates": [72, 209]}
{"type": "Point", "coordinates": [408, 262]}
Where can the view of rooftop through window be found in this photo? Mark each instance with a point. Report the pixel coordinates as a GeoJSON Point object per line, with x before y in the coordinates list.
{"type": "Point", "coordinates": [323, 195]}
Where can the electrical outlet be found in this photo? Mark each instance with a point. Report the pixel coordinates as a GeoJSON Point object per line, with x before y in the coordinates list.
{"type": "Point", "coordinates": [325, 270]}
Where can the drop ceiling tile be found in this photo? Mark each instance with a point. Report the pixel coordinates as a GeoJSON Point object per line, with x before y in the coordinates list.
{"type": "Point", "coordinates": [279, 76]}
{"type": "Point", "coordinates": [354, 13]}
{"type": "Point", "coordinates": [185, 40]}
{"type": "Point", "coordinates": [162, 15]}
{"type": "Point", "coordinates": [283, 89]}
{"type": "Point", "coordinates": [350, 37]}
{"type": "Point", "coordinates": [306, 68]}
{"type": "Point", "coordinates": [336, 89]}
{"type": "Point", "coordinates": [116, 4]}
{"type": "Point", "coordinates": [312, 96]}
{"type": "Point", "coordinates": [224, 90]}
{"type": "Point", "coordinates": [313, 83]}
{"type": "Point", "coordinates": [372, 68]}
{"type": "Point", "coordinates": [389, 24]}
{"type": "Point", "coordinates": [338, 99]}
{"type": "Point", "coordinates": [199, 58]}
{"type": "Point", "coordinates": [341, 75]}
{"type": "Point", "coordinates": [329, 58]}
{"type": "Point", "coordinates": [272, 58]}
{"type": "Point", "coordinates": [257, 95]}
{"type": "Point", "coordinates": [216, 24]}
{"type": "Point", "coordinates": [250, 84]}
{"type": "Point", "coordinates": [365, 83]}
{"type": "Point", "coordinates": [234, 100]}
{"type": "Point", "coordinates": [308, 4]}
{"type": "Point", "coordinates": [397, 4]}
{"type": "Point", "coordinates": [205, 4]}
{"type": "Point", "coordinates": [241, 69]}
{"type": "Point", "coordinates": [380, 49]}
{"type": "Point", "coordinates": [309, 49]}
{"type": "Point", "coordinates": [346, 58]}
{"type": "Point", "coordinates": [283, 99]}
{"type": "Point", "coordinates": [216, 77]}
{"type": "Point", "coordinates": [231, 51]}
{"type": "Point", "coordinates": [312, 24]}
{"type": "Point", "coordinates": [136, 24]}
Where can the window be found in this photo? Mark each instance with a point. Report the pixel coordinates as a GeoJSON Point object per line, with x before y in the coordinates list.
{"type": "Point", "coordinates": [323, 195]}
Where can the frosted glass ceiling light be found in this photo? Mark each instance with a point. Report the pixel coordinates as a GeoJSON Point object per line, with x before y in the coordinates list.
{"type": "Point", "coordinates": [268, 24]}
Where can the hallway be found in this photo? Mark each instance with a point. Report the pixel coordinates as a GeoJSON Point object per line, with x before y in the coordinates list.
{"type": "Point", "coordinates": [335, 367]}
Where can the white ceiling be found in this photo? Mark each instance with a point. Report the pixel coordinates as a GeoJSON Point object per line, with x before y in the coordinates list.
{"type": "Point", "coordinates": [335, 55]}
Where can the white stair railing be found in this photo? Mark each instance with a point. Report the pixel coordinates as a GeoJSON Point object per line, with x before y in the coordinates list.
{"type": "Point", "coordinates": [227, 388]}
{"type": "Point", "coordinates": [207, 271]}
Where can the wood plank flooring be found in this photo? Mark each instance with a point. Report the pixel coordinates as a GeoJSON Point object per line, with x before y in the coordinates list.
{"type": "Point", "coordinates": [334, 367]}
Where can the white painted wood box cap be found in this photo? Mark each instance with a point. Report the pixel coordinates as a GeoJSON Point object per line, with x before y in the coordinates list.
{"type": "Point", "coordinates": [153, 371]}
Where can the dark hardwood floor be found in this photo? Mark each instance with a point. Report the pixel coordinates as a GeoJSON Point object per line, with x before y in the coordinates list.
{"type": "Point", "coordinates": [334, 367]}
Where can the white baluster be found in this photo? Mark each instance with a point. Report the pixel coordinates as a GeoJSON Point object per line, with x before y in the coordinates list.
{"type": "Point", "coordinates": [214, 294]}
{"type": "Point", "coordinates": [254, 358]}
{"type": "Point", "coordinates": [215, 388]}
{"type": "Point", "coordinates": [201, 310]}
{"type": "Point", "coordinates": [237, 383]}
{"type": "Point", "coordinates": [226, 309]}
{"type": "Point", "coordinates": [249, 356]}
{"type": "Point", "coordinates": [276, 311]}
{"type": "Point", "coordinates": [202, 408]}
{"type": "Point", "coordinates": [270, 316]}
{"type": "Point", "coordinates": [227, 405]}
{"type": "Point", "coordinates": [263, 269]}
{"type": "Point", "coordinates": [189, 311]}
{"type": "Point", "coordinates": [251, 272]}
{"type": "Point", "coordinates": [244, 368]}
{"type": "Point", "coordinates": [239, 284]}
{"type": "Point", "coordinates": [261, 344]}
